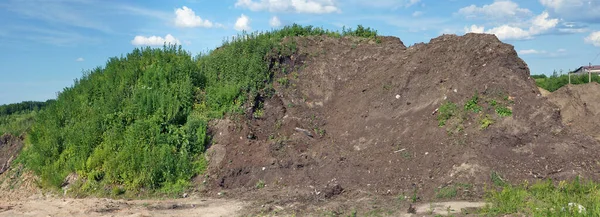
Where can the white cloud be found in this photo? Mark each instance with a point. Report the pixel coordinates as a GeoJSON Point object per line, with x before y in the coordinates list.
{"type": "Point", "coordinates": [80, 59]}
{"type": "Point", "coordinates": [394, 4]}
{"type": "Point", "coordinates": [275, 22]}
{"type": "Point", "coordinates": [154, 40]}
{"type": "Point", "coordinates": [593, 38]}
{"type": "Point", "coordinates": [500, 10]}
{"type": "Point", "coordinates": [530, 51]}
{"type": "Point", "coordinates": [242, 23]}
{"type": "Point", "coordinates": [506, 32]}
{"type": "Point", "coordinates": [417, 13]}
{"type": "Point", "coordinates": [540, 24]}
{"type": "Point", "coordinates": [574, 10]}
{"type": "Point", "coordinates": [298, 6]}
{"type": "Point", "coordinates": [475, 29]}
{"type": "Point", "coordinates": [186, 17]}
{"type": "Point", "coordinates": [558, 53]}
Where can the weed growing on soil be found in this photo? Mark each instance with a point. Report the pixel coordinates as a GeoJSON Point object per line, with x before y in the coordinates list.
{"type": "Point", "coordinates": [497, 179]}
{"type": "Point", "coordinates": [472, 104]}
{"type": "Point", "coordinates": [447, 192]}
{"type": "Point", "coordinates": [445, 112]}
{"type": "Point", "coordinates": [567, 198]}
{"type": "Point", "coordinates": [503, 111]}
{"type": "Point", "coordinates": [486, 121]}
{"type": "Point", "coordinates": [260, 184]}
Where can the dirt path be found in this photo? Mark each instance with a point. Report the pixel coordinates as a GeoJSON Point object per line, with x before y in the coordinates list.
{"type": "Point", "coordinates": [39, 205]}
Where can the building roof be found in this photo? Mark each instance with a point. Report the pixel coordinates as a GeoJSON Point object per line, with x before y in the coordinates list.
{"type": "Point", "coordinates": [590, 68]}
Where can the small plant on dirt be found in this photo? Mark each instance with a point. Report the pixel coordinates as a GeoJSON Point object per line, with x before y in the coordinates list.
{"type": "Point", "coordinates": [493, 103]}
{"type": "Point", "coordinates": [414, 197]}
{"type": "Point", "coordinates": [447, 192]}
{"type": "Point", "coordinates": [503, 111]}
{"type": "Point", "coordinates": [260, 184]}
{"type": "Point", "coordinates": [406, 155]}
{"type": "Point", "coordinates": [259, 113]}
{"type": "Point", "coordinates": [320, 131]}
{"type": "Point", "coordinates": [472, 104]}
{"type": "Point", "coordinates": [497, 179]}
{"type": "Point", "coordinates": [278, 124]}
{"type": "Point", "coordinates": [284, 81]}
{"type": "Point", "coordinates": [445, 112]}
{"type": "Point", "coordinates": [486, 121]}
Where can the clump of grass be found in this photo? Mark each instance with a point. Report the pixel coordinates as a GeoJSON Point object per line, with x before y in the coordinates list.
{"type": "Point", "coordinates": [503, 111]}
{"type": "Point", "coordinates": [486, 121]}
{"type": "Point", "coordinates": [497, 179]}
{"type": "Point", "coordinates": [473, 104]}
{"type": "Point", "coordinates": [545, 198]}
{"type": "Point", "coordinates": [447, 192]}
{"type": "Point", "coordinates": [445, 112]}
{"type": "Point", "coordinates": [260, 184]}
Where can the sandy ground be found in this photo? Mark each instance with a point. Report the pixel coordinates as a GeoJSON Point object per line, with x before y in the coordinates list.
{"type": "Point", "coordinates": [39, 205]}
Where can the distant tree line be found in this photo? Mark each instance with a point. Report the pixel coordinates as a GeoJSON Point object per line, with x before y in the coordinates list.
{"type": "Point", "coordinates": [26, 106]}
{"type": "Point", "coordinates": [556, 81]}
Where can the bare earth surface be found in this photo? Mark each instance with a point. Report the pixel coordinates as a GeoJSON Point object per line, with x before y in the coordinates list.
{"type": "Point", "coordinates": [39, 205]}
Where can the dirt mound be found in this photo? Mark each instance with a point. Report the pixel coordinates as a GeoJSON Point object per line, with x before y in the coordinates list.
{"type": "Point", "coordinates": [354, 117]}
{"type": "Point", "coordinates": [579, 107]}
{"type": "Point", "coordinates": [9, 148]}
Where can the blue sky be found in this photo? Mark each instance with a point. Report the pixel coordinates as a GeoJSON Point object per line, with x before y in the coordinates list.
{"type": "Point", "coordinates": [48, 43]}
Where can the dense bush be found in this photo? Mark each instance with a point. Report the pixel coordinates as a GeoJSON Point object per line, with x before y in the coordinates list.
{"type": "Point", "coordinates": [140, 122]}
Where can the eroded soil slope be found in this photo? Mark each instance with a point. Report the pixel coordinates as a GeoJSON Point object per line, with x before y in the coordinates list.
{"type": "Point", "coordinates": [579, 107]}
{"type": "Point", "coordinates": [9, 148]}
{"type": "Point", "coordinates": [354, 117]}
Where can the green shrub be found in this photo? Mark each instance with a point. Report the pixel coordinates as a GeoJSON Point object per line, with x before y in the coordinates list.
{"type": "Point", "coordinates": [503, 111]}
{"type": "Point", "coordinates": [472, 104]}
{"type": "Point", "coordinates": [445, 112]}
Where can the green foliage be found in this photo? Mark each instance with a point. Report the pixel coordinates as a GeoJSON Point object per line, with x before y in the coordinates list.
{"type": "Point", "coordinates": [445, 112]}
{"type": "Point", "coordinates": [539, 76]}
{"type": "Point", "coordinates": [544, 198]}
{"type": "Point", "coordinates": [472, 104]}
{"type": "Point", "coordinates": [448, 192]}
{"type": "Point", "coordinates": [260, 184]}
{"type": "Point", "coordinates": [360, 32]}
{"type": "Point", "coordinates": [503, 111]}
{"type": "Point", "coordinates": [23, 107]}
{"type": "Point", "coordinates": [555, 82]}
{"type": "Point", "coordinates": [129, 123]}
{"type": "Point", "coordinates": [486, 121]}
{"type": "Point", "coordinates": [497, 179]}
{"type": "Point", "coordinates": [17, 123]}
{"type": "Point", "coordinates": [140, 122]}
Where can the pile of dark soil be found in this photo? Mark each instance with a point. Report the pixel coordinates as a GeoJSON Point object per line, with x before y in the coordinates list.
{"type": "Point", "coordinates": [9, 148]}
{"type": "Point", "coordinates": [354, 117]}
{"type": "Point", "coordinates": [579, 107]}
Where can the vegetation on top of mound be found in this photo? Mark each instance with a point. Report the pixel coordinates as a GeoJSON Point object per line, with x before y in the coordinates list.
{"type": "Point", "coordinates": [556, 81]}
{"type": "Point", "coordinates": [140, 121]}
